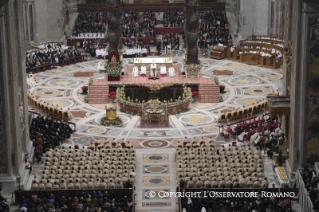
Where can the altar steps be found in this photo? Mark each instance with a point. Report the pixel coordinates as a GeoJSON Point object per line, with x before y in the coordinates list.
{"type": "Point", "coordinates": [208, 93]}
{"type": "Point", "coordinates": [98, 94]}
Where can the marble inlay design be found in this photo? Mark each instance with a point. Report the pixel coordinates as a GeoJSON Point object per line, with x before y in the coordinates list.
{"type": "Point", "coordinates": [158, 169]}
{"type": "Point", "coordinates": [156, 180]}
{"type": "Point", "coordinates": [258, 91]}
{"type": "Point", "coordinates": [193, 119]}
{"type": "Point", "coordinates": [211, 129]}
{"type": "Point", "coordinates": [61, 102]}
{"type": "Point", "coordinates": [273, 77]}
{"type": "Point", "coordinates": [155, 133]}
{"type": "Point", "coordinates": [155, 193]}
{"type": "Point", "coordinates": [63, 83]}
{"type": "Point", "coordinates": [156, 204]}
{"type": "Point", "coordinates": [195, 131]}
{"type": "Point", "coordinates": [245, 101]}
{"type": "Point", "coordinates": [114, 132]}
{"type": "Point", "coordinates": [172, 133]}
{"type": "Point", "coordinates": [155, 158]}
{"type": "Point", "coordinates": [136, 133]}
{"type": "Point", "coordinates": [96, 130]}
{"type": "Point", "coordinates": [243, 81]}
{"type": "Point", "coordinates": [239, 66]}
{"type": "Point", "coordinates": [48, 92]}
{"type": "Point", "coordinates": [155, 143]}
{"type": "Point", "coordinates": [82, 140]}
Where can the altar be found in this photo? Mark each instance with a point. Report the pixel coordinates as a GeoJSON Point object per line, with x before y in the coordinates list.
{"type": "Point", "coordinates": [148, 61]}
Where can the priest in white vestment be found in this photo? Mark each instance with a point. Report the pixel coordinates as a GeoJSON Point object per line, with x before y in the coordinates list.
{"type": "Point", "coordinates": [143, 70]}
{"type": "Point", "coordinates": [135, 71]}
{"type": "Point", "coordinates": [171, 71]}
{"type": "Point", "coordinates": [153, 70]}
{"type": "Point", "coordinates": [163, 71]}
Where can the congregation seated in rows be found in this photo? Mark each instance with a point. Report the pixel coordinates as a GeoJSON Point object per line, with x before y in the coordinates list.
{"type": "Point", "coordinates": [46, 133]}
{"type": "Point", "coordinates": [230, 204]}
{"type": "Point", "coordinates": [138, 25]}
{"type": "Point", "coordinates": [81, 200]}
{"type": "Point", "coordinates": [225, 167]}
{"type": "Point", "coordinates": [90, 25]}
{"type": "Point", "coordinates": [54, 55]}
{"type": "Point", "coordinates": [99, 167]}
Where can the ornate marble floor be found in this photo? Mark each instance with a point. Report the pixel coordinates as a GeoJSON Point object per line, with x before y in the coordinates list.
{"type": "Point", "coordinates": [244, 85]}
{"type": "Point", "coordinates": [155, 167]}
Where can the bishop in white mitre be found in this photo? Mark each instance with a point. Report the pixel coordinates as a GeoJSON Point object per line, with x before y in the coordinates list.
{"type": "Point", "coordinates": [171, 71]}
{"type": "Point", "coordinates": [135, 71]}
{"type": "Point", "coordinates": [163, 71]}
{"type": "Point", "coordinates": [143, 70]}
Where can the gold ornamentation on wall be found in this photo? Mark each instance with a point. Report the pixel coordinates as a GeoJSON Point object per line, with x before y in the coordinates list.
{"type": "Point", "coordinates": [279, 111]}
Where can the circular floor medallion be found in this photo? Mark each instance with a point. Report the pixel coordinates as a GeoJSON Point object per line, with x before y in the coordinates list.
{"type": "Point", "coordinates": [48, 92]}
{"type": "Point", "coordinates": [155, 169]}
{"type": "Point", "coordinates": [96, 130]}
{"type": "Point", "coordinates": [155, 143]}
{"type": "Point", "coordinates": [243, 81]}
{"type": "Point", "coordinates": [156, 181]}
{"type": "Point", "coordinates": [194, 119]}
{"type": "Point", "coordinates": [61, 102]}
{"type": "Point", "coordinates": [63, 83]}
{"type": "Point", "coordinates": [156, 157]}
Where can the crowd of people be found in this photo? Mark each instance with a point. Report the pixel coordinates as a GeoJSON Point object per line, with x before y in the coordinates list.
{"type": "Point", "coordinates": [49, 54]}
{"type": "Point", "coordinates": [173, 19]}
{"type": "Point", "coordinates": [311, 181]}
{"type": "Point", "coordinates": [170, 40]}
{"type": "Point", "coordinates": [213, 28]}
{"type": "Point", "coordinates": [230, 204]}
{"type": "Point", "coordinates": [138, 25]}
{"type": "Point", "coordinates": [46, 133]}
{"type": "Point", "coordinates": [90, 25]}
{"type": "Point", "coordinates": [81, 201]}
{"type": "Point", "coordinates": [227, 167]}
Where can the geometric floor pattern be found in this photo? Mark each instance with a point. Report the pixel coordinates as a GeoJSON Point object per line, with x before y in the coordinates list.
{"type": "Point", "coordinates": [62, 87]}
{"type": "Point", "coordinates": [155, 166]}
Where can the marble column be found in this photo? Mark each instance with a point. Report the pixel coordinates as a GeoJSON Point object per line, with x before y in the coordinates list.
{"type": "Point", "coordinates": [14, 142]}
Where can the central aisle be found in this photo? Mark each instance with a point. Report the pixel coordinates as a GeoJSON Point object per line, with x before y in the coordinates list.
{"type": "Point", "coordinates": [155, 174]}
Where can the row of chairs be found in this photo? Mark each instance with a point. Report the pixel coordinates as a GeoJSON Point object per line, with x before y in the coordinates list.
{"type": "Point", "coordinates": [242, 113]}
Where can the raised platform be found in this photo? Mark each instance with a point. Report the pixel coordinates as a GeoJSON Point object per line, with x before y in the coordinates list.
{"type": "Point", "coordinates": [207, 88]}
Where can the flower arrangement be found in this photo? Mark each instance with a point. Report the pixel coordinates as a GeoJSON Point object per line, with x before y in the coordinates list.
{"type": "Point", "coordinates": [85, 89]}
{"type": "Point", "coordinates": [117, 122]}
{"type": "Point", "coordinates": [195, 94]}
{"type": "Point", "coordinates": [113, 72]}
{"type": "Point", "coordinates": [153, 86]}
{"type": "Point", "coordinates": [112, 95]}
{"type": "Point", "coordinates": [221, 88]}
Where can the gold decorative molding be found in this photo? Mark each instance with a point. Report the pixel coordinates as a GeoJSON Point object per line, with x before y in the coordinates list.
{"type": "Point", "coordinates": [279, 111]}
